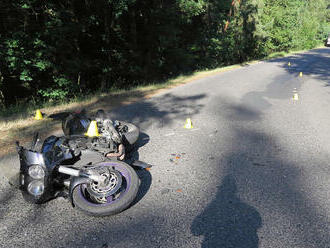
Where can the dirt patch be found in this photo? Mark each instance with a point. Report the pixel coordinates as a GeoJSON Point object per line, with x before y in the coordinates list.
{"type": "Point", "coordinates": [24, 129]}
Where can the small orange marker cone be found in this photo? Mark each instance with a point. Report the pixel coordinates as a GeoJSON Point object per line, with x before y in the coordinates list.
{"type": "Point", "coordinates": [38, 115]}
{"type": "Point", "coordinates": [92, 130]}
{"type": "Point", "coordinates": [188, 124]}
{"type": "Point", "coordinates": [300, 74]}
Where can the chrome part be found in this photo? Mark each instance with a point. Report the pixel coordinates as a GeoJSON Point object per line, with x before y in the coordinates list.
{"type": "Point", "coordinates": [68, 171]}
{"type": "Point", "coordinates": [76, 173]}
{"type": "Point", "coordinates": [36, 188]}
{"type": "Point", "coordinates": [36, 172]}
{"type": "Point", "coordinates": [66, 183]}
{"type": "Point", "coordinates": [22, 179]}
{"type": "Point", "coordinates": [109, 185]}
{"type": "Point", "coordinates": [96, 178]}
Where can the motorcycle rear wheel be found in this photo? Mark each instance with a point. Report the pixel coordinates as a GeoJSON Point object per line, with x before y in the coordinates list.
{"type": "Point", "coordinates": [115, 203]}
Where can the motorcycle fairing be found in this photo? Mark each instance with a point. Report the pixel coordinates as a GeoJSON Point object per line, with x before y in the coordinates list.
{"type": "Point", "coordinates": [53, 152]}
{"type": "Point", "coordinates": [27, 159]}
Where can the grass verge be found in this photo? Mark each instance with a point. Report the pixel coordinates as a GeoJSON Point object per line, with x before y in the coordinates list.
{"type": "Point", "coordinates": [22, 126]}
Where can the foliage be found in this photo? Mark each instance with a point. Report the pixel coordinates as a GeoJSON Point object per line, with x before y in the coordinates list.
{"type": "Point", "coordinates": [56, 50]}
{"type": "Point", "coordinates": [291, 24]}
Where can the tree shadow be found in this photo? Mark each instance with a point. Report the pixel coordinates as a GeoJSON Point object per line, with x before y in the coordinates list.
{"type": "Point", "coordinates": [162, 111]}
{"type": "Point", "coordinates": [313, 63]}
{"type": "Point", "coordinates": [280, 87]}
{"type": "Point", "coordinates": [277, 186]}
{"type": "Point", "coordinates": [227, 221]}
{"type": "Point", "coordinates": [262, 193]}
{"type": "Point", "coordinates": [266, 189]}
{"type": "Point", "coordinates": [247, 112]}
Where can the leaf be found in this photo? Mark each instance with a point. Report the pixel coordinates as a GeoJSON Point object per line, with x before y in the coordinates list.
{"type": "Point", "coordinates": [24, 76]}
{"type": "Point", "coordinates": [41, 65]}
{"type": "Point", "coordinates": [25, 6]}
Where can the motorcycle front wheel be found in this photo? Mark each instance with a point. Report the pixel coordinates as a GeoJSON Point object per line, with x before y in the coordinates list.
{"type": "Point", "coordinates": [123, 195]}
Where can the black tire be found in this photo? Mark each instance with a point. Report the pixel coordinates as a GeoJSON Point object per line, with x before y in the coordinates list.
{"type": "Point", "coordinates": [85, 204]}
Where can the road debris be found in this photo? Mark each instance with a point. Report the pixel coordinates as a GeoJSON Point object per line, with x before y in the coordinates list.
{"type": "Point", "coordinates": [176, 157]}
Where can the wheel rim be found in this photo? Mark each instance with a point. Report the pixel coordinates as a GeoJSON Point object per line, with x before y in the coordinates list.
{"type": "Point", "coordinates": [126, 184]}
{"type": "Point", "coordinates": [112, 182]}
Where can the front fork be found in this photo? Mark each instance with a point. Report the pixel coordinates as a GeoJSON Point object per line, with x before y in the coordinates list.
{"type": "Point", "coordinates": [79, 173]}
{"type": "Point", "coordinates": [77, 177]}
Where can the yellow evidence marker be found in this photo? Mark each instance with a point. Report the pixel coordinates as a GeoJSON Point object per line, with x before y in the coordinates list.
{"type": "Point", "coordinates": [38, 115]}
{"type": "Point", "coordinates": [188, 124]}
{"type": "Point", "coordinates": [92, 130]}
{"type": "Point", "coordinates": [295, 95]}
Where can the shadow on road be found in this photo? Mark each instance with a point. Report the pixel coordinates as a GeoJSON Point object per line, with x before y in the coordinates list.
{"type": "Point", "coordinates": [314, 63]}
{"type": "Point", "coordinates": [265, 187]}
{"type": "Point", "coordinates": [162, 111]}
{"type": "Point", "coordinates": [227, 221]}
{"type": "Point", "coordinates": [107, 230]}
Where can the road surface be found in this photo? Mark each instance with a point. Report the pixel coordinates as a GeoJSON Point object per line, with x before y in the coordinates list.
{"type": "Point", "coordinates": [253, 172]}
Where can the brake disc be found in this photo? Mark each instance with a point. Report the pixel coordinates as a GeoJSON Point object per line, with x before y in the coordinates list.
{"type": "Point", "coordinates": [111, 183]}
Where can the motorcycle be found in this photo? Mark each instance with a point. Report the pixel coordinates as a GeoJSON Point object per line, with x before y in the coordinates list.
{"type": "Point", "coordinates": [105, 186]}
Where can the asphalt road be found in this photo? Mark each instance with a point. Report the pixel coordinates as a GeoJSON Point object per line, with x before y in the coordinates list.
{"type": "Point", "coordinates": [253, 172]}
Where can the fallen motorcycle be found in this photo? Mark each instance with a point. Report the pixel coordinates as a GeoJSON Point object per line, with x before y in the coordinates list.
{"type": "Point", "coordinates": [105, 186]}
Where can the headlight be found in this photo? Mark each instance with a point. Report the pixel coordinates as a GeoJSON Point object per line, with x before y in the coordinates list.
{"type": "Point", "coordinates": [36, 188]}
{"type": "Point", "coordinates": [36, 172]}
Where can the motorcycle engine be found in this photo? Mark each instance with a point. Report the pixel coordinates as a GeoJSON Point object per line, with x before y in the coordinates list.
{"type": "Point", "coordinates": [109, 137]}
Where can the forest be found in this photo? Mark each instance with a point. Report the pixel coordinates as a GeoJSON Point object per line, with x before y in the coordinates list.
{"type": "Point", "coordinates": [58, 50]}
